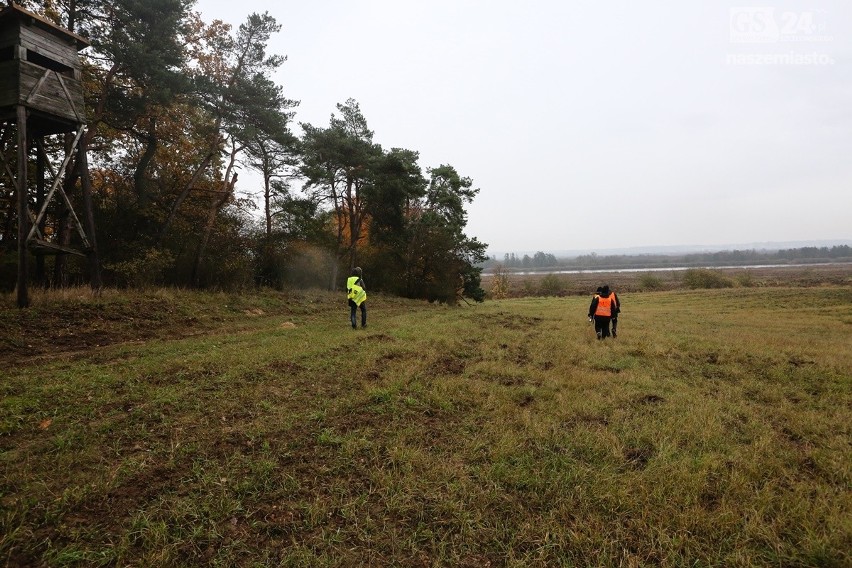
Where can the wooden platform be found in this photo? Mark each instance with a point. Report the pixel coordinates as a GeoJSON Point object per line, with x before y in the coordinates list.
{"type": "Point", "coordinates": [39, 246]}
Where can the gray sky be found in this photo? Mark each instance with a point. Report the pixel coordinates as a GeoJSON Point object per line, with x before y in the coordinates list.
{"type": "Point", "coordinates": [595, 125]}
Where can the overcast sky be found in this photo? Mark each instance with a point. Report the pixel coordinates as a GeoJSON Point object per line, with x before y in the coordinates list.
{"type": "Point", "coordinates": [595, 125]}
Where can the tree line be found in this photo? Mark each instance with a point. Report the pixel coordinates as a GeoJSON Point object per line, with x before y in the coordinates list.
{"type": "Point", "coordinates": [538, 260]}
{"type": "Point", "coordinates": [730, 257]}
{"type": "Point", "coordinates": [175, 107]}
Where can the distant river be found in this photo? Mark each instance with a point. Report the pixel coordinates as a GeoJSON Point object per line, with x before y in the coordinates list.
{"type": "Point", "coordinates": [671, 268]}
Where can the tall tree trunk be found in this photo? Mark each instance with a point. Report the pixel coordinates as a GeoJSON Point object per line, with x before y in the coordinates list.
{"type": "Point", "coordinates": [63, 238]}
{"type": "Point", "coordinates": [341, 251]}
{"type": "Point", "coordinates": [215, 144]}
{"type": "Point", "coordinates": [140, 180]}
{"type": "Point", "coordinates": [89, 214]}
{"type": "Point", "coordinates": [215, 206]}
{"type": "Point", "coordinates": [267, 206]}
{"type": "Point", "coordinates": [184, 193]}
{"type": "Point", "coordinates": [353, 223]}
{"type": "Point", "coordinates": [356, 218]}
{"type": "Point", "coordinates": [334, 271]}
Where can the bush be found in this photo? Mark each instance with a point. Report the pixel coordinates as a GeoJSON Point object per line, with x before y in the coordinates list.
{"type": "Point", "coordinates": [695, 278]}
{"type": "Point", "coordinates": [746, 280]}
{"type": "Point", "coordinates": [144, 270]}
{"type": "Point", "coordinates": [499, 283]}
{"type": "Point", "coordinates": [650, 282]}
{"type": "Point", "coordinates": [550, 285]}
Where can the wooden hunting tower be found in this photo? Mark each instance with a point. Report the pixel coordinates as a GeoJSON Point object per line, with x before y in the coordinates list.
{"type": "Point", "coordinates": [41, 94]}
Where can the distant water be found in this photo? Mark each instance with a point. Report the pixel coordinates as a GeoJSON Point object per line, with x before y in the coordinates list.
{"type": "Point", "coordinates": [671, 268]}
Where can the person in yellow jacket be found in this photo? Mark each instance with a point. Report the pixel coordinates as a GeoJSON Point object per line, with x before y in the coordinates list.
{"type": "Point", "coordinates": [602, 309]}
{"type": "Point", "coordinates": [356, 294]}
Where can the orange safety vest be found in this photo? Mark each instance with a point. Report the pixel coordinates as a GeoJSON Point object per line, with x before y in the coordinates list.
{"type": "Point", "coordinates": [604, 306]}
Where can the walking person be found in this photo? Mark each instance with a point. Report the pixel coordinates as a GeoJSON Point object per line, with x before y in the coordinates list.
{"type": "Point", "coordinates": [596, 295]}
{"type": "Point", "coordinates": [356, 294]}
{"type": "Point", "coordinates": [616, 309]}
{"type": "Point", "coordinates": [601, 310]}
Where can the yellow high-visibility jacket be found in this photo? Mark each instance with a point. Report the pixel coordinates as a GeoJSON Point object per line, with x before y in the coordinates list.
{"type": "Point", "coordinates": [354, 290]}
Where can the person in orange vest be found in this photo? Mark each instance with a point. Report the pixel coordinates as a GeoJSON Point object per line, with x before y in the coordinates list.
{"type": "Point", "coordinates": [616, 309]}
{"type": "Point", "coordinates": [595, 297]}
{"type": "Point", "coordinates": [601, 309]}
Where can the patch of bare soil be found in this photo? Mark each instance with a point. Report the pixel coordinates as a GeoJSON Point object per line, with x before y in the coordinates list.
{"type": "Point", "coordinates": [31, 335]}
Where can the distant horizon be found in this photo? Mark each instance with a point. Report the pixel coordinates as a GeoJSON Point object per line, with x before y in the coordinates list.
{"type": "Point", "coordinates": [680, 249]}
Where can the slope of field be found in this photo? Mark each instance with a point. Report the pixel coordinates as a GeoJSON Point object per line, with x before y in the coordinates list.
{"type": "Point", "coordinates": [175, 428]}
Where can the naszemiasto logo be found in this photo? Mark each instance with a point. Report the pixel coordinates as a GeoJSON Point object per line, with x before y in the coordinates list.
{"type": "Point", "coordinates": [761, 24]}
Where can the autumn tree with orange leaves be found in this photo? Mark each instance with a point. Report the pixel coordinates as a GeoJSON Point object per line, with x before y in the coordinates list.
{"type": "Point", "coordinates": [337, 164]}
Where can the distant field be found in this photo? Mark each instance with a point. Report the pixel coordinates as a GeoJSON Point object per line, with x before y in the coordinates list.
{"type": "Point", "coordinates": [172, 428]}
{"type": "Point", "coordinates": [637, 281]}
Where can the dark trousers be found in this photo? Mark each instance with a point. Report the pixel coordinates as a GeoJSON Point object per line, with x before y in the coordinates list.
{"type": "Point", "coordinates": [602, 326]}
{"type": "Point", "coordinates": [614, 326]}
{"type": "Point", "coordinates": [353, 308]}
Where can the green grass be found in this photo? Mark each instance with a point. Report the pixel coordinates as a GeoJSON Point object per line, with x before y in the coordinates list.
{"type": "Point", "coordinates": [258, 430]}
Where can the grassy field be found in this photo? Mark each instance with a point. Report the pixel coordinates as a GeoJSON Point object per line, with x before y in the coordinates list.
{"type": "Point", "coordinates": [172, 428]}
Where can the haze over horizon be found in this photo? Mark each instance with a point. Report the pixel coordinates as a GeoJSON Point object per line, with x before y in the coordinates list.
{"type": "Point", "coordinates": [595, 126]}
{"type": "Point", "coordinates": [679, 249]}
